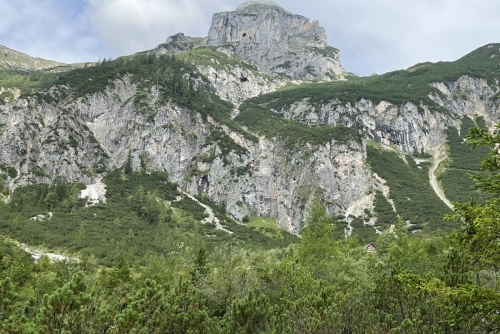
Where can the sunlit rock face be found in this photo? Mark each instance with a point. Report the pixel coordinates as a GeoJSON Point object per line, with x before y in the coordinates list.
{"type": "Point", "coordinates": [252, 51]}
{"type": "Point", "coordinates": [276, 41]}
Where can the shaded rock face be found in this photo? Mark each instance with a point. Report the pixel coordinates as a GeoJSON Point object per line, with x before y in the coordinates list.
{"type": "Point", "coordinates": [276, 41]}
{"type": "Point", "coordinates": [177, 43]}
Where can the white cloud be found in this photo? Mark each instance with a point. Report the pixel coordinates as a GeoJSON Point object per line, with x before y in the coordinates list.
{"type": "Point", "coordinates": [129, 26]}
{"type": "Point", "coordinates": [374, 36]}
{"type": "Point", "coordinates": [383, 35]}
{"type": "Point", "coordinates": [47, 28]}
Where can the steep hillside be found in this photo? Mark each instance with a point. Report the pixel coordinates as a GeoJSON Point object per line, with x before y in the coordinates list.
{"type": "Point", "coordinates": [229, 125]}
{"type": "Point", "coordinates": [22, 75]}
{"type": "Point", "coordinates": [15, 60]}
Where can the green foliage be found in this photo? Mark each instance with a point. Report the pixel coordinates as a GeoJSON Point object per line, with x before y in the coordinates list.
{"type": "Point", "coordinates": [413, 196]}
{"type": "Point", "coordinates": [209, 56]}
{"type": "Point", "coordinates": [364, 233]}
{"type": "Point", "coordinates": [319, 240]}
{"type": "Point", "coordinates": [28, 82]}
{"type": "Point", "coordinates": [260, 115]}
{"type": "Point", "coordinates": [224, 143]}
{"type": "Point", "coordinates": [144, 213]}
{"type": "Point", "coordinates": [32, 200]}
{"type": "Point", "coordinates": [12, 172]}
{"type": "Point", "coordinates": [327, 52]}
{"type": "Point", "coordinates": [268, 226]}
{"type": "Point", "coordinates": [286, 65]}
{"type": "Point", "coordinates": [384, 211]}
{"type": "Point", "coordinates": [455, 181]}
{"type": "Point", "coordinates": [479, 236]}
{"type": "Point", "coordinates": [188, 205]}
{"type": "Point", "coordinates": [322, 285]}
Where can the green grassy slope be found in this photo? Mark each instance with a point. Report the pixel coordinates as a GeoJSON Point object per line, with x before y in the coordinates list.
{"type": "Point", "coordinates": [463, 160]}
{"type": "Point", "coordinates": [144, 213]}
{"type": "Point", "coordinates": [15, 60]}
{"type": "Point", "coordinates": [410, 189]}
{"type": "Point", "coordinates": [398, 87]}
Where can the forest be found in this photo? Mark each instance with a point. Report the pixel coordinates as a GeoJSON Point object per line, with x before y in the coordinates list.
{"type": "Point", "coordinates": [143, 263]}
{"type": "Point", "coordinates": [413, 283]}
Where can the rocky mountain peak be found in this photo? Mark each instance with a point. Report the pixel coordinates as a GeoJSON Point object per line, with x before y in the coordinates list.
{"type": "Point", "coordinates": [276, 41]}
{"type": "Point", "coordinates": [244, 6]}
{"type": "Point", "coordinates": [177, 43]}
{"type": "Point", "coordinates": [265, 23]}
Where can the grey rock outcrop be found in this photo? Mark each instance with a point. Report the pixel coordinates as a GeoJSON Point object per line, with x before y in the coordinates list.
{"type": "Point", "coordinates": [469, 96]}
{"type": "Point", "coordinates": [80, 138]}
{"type": "Point", "coordinates": [177, 43]}
{"type": "Point", "coordinates": [254, 50]}
{"type": "Point", "coordinates": [98, 132]}
{"type": "Point", "coordinates": [238, 82]}
{"type": "Point", "coordinates": [44, 142]}
{"type": "Point", "coordinates": [408, 127]}
{"type": "Point", "coordinates": [276, 41]}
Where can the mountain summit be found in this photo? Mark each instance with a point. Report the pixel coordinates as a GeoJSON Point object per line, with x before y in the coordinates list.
{"type": "Point", "coordinates": [266, 24]}
{"type": "Point", "coordinates": [276, 41]}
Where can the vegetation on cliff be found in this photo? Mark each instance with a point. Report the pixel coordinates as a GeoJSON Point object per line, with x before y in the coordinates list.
{"type": "Point", "coordinates": [398, 87]}
{"type": "Point", "coordinates": [411, 284]}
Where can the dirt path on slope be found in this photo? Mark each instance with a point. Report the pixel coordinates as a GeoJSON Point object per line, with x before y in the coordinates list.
{"type": "Point", "coordinates": [211, 216]}
{"type": "Point", "coordinates": [439, 155]}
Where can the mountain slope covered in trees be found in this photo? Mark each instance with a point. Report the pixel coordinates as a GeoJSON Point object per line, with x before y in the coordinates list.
{"type": "Point", "coordinates": [236, 189]}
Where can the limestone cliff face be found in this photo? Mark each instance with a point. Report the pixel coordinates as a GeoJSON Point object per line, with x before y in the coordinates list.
{"type": "Point", "coordinates": [408, 127]}
{"type": "Point", "coordinates": [282, 182]}
{"type": "Point", "coordinates": [240, 81]}
{"type": "Point", "coordinates": [276, 41]}
{"type": "Point", "coordinates": [77, 139]}
{"type": "Point", "coordinates": [254, 50]}
{"type": "Point", "coordinates": [265, 24]}
{"type": "Point", "coordinates": [270, 179]}
{"type": "Point", "coordinates": [44, 142]}
{"type": "Point", "coordinates": [469, 96]}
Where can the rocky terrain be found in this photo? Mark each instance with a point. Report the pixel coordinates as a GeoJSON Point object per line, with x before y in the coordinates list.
{"type": "Point", "coordinates": [277, 41]}
{"type": "Point", "coordinates": [78, 134]}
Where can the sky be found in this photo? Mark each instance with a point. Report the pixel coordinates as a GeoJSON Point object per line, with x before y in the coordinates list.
{"type": "Point", "coordinates": [374, 36]}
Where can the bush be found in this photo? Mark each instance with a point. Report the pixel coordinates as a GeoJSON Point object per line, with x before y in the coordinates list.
{"type": "Point", "coordinates": [12, 172]}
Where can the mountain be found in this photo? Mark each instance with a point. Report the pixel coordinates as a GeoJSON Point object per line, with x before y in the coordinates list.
{"type": "Point", "coordinates": [277, 41]}
{"type": "Point", "coordinates": [260, 119]}
{"type": "Point", "coordinates": [11, 59]}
